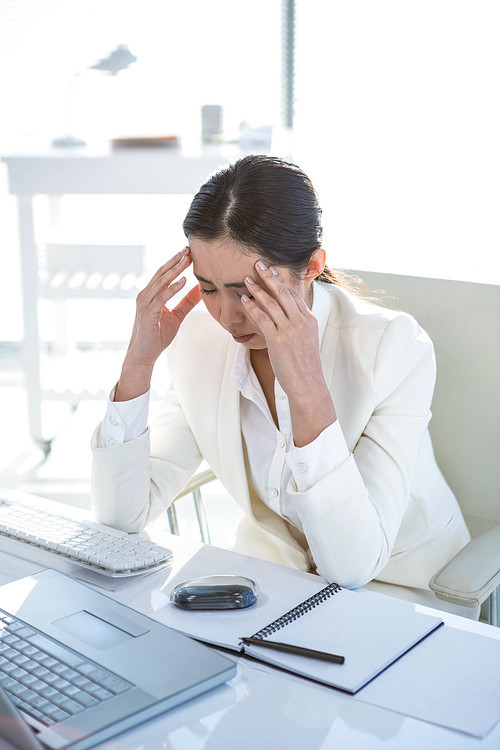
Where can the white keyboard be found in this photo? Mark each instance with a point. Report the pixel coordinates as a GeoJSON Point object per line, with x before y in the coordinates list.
{"type": "Point", "coordinates": [90, 545]}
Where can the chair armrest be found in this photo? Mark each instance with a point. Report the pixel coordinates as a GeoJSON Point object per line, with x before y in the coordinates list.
{"type": "Point", "coordinates": [196, 481]}
{"type": "Point", "coordinates": [473, 574]}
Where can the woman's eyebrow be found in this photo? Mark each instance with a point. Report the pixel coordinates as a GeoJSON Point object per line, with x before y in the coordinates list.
{"type": "Point", "coordinates": [235, 284]}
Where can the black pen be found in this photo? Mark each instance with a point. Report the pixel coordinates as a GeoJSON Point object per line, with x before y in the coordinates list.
{"type": "Point", "coordinates": [299, 650]}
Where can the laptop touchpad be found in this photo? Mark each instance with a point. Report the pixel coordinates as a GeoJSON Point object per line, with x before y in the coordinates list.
{"type": "Point", "coordinates": [92, 630]}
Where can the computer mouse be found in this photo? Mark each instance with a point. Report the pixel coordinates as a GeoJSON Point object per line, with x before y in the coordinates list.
{"type": "Point", "coordinates": [215, 592]}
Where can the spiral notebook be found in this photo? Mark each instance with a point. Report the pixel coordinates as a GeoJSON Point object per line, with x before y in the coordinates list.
{"type": "Point", "coordinates": [369, 630]}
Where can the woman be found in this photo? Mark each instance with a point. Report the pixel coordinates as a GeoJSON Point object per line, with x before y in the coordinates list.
{"type": "Point", "coordinates": [310, 404]}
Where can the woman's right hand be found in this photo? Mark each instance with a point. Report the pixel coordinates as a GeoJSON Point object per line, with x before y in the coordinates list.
{"type": "Point", "coordinates": [155, 326]}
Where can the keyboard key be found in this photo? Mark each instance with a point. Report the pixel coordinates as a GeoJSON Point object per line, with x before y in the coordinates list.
{"type": "Point", "coordinates": [59, 668]}
{"type": "Point", "coordinates": [72, 707]}
{"type": "Point", "coordinates": [48, 692]}
{"type": "Point", "coordinates": [60, 684]}
{"type": "Point", "coordinates": [28, 680]}
{"type": "Point", "coordinates": [39, 703]}
{"type": "Point", "coordinates": [37, 685]}
{"type": "Point", "coordinates": [114, 685]}
{"type": "Point", "coordinates": [70, 690]}
{"type": "Point", "coordinates": [20, 660]}
{"type": "Point", "coordinates": [69, 674]}
{"type": "Point", "coordinates": [85, 699]}
{"type": "Point", "coordinates": [25, 632]}
{"type": "Point", "coordinates": [40, 671]}
{"type": "Point", "coordinates": [59, 699]}
{"type": "Point", "coordinates": [100, 693]}
{"type": "Point", "coordinates": [7, 682]}
{"type": "Point", "coordinates": [8, 667]}
{"type": "Point", "coordinates": [56, 651]}
{"type": "Point", "coordinates": [55, 713]}
{"type": "Point", "coordinates": [51, 678]}
{"type": "Point", "coordinates": [18, 673]}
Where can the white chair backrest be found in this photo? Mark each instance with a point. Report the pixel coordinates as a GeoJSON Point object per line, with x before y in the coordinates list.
{"type": "Point", "coordinates": [463, 321]}
{"type": "Point", "coordinates": [95, 258]}
{"type": "Point", "coordinates": [70, 271]}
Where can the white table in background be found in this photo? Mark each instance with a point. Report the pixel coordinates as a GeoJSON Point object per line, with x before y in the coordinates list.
{"type": "Point", "coordinates": [135, 172]}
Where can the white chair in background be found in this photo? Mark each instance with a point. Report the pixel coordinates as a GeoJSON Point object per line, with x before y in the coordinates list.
{"type": "Point", "coordinates": [463, 321]}
{"type": "Point", "coordinates": [74, 271]}
{"type": "Point", "coordinates": [69, 272]}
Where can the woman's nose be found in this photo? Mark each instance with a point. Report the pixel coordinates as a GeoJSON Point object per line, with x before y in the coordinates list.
{"type": "Point", "coordinates": [231, 313]}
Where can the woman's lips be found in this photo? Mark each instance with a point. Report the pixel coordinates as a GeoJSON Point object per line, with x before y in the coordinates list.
{"type": "Point", "coordinates": [242, 339]}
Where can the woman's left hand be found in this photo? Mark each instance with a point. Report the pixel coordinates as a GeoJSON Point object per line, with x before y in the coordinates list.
{"type": "Point", "coordinates": [291, 333]}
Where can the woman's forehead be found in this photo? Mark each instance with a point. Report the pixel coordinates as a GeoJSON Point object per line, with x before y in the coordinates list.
{"type": "Point", "coordinates": [222, 258]}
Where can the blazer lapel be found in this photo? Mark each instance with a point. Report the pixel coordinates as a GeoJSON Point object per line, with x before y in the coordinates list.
{"type": "Point", "coordinates": [229, 436]}
{"type": "Point", "coordinates": [329, 343]}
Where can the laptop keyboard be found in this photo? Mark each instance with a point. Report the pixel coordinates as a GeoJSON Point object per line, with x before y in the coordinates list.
{"type": "Point", "coordinates": [47, 681]}
{"type": "Point", "coordinates": [95, 547]}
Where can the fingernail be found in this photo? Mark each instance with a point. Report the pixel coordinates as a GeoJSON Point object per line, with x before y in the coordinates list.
{"type": "Point", "coordinates": [273, 270]}
{"type": "Point", "coordinates": [249, 280]}
{"type": "Point", "coordinates": [261, 265]}
{"type": "Point", "coordinates": [244, 298]}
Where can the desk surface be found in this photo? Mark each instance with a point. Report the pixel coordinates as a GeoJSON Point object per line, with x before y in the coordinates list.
{"type": "Point", "coordinates": [267, 709]}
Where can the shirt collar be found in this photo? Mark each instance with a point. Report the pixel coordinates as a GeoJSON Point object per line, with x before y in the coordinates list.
{"type": "Point", "coordinates": [320, 308]}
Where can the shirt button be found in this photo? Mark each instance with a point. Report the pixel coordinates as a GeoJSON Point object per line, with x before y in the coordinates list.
{"type": "Point", "coordinates": [281, 396]}
{"type": "Point", "coordinates": [274, 492]}
{"type": "Point", "coordinates": [114, 420]}
{"type": "Point", "coordinates": [111, 442]}
{"type": "Point", "coordinates": [303, 468]}
{"type": "Point", "coordinates": [282, 442]}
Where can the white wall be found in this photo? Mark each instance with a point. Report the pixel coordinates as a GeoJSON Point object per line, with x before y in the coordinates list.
{"type": "Point", "coordinates": [397, 110]}
{"type": "Point", "coordinates": [398, 122]}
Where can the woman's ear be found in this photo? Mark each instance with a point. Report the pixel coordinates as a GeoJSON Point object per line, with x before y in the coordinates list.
{"type": "Point", "coordinates": [316, 264]}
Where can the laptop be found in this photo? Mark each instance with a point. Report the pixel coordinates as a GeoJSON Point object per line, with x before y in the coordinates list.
{"type": "Point", "coordinates": [81, 668]}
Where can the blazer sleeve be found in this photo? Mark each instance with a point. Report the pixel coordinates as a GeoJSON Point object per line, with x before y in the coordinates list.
{"type": "Point", "coordinates": [134, 482]}
{"type": "Point", "coordinates": [352, 516]}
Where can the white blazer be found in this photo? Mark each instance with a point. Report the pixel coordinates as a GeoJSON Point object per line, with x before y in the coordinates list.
{"type": "Point", "coordinates": [386, 512]}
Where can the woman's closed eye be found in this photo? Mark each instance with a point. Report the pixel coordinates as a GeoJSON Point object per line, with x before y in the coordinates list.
{"type": "Point", "coordinates": [212, 291]}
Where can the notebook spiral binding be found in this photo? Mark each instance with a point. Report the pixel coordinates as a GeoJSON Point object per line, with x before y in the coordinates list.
{"type": "Point", "coordinates": [299, 610]}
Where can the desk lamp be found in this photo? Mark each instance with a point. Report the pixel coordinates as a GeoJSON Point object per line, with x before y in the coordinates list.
{"type": "Point", "coordinates": [118, 60]}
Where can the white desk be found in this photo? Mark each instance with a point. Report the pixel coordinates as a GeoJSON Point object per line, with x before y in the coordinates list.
{"type": "Point", "coordinates": [120, 173]}
{"type": "Point", "coordinates": [267, 709]}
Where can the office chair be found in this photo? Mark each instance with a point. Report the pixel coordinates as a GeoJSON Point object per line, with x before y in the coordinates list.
{"type": "Point", "coordinates": [463, 321]}
{"type": "Point", "coordinates": [69, 271]}
{"type": "Point", "coordinates": [193, 487]}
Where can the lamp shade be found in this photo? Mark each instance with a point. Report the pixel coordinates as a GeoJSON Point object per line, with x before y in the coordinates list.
{"type": "Point", "coordinates": [117, 60]}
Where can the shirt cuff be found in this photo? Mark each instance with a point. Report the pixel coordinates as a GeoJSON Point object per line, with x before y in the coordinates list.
{"type": "Point", "coordinates": [313, 462]}
{"type": "Point", "coordinates": [124, 420]}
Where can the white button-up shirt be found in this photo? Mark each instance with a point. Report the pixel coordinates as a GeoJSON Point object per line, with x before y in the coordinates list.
{"type": "Point", "coordinates": [274, 464]}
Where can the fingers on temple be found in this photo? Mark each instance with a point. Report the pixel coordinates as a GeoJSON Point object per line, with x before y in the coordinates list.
{"type": "Point", "coordinates": [276, 296]}
{"type": "Point", "coordinates": [188, 302]}
{"type": "Point", "coordinates": [171, 263]}
{"type": "Point", "coordinates": [260, 311]}
{"type": "Point", "coordinates": [163, 285]}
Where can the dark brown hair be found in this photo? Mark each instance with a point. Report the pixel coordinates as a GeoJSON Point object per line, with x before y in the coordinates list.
{"type": "Point", "coordinates": [267, 205]}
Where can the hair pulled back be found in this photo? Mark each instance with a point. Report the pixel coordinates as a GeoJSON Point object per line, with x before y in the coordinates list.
{"type": "Point", "coordinates": [267, 205]}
